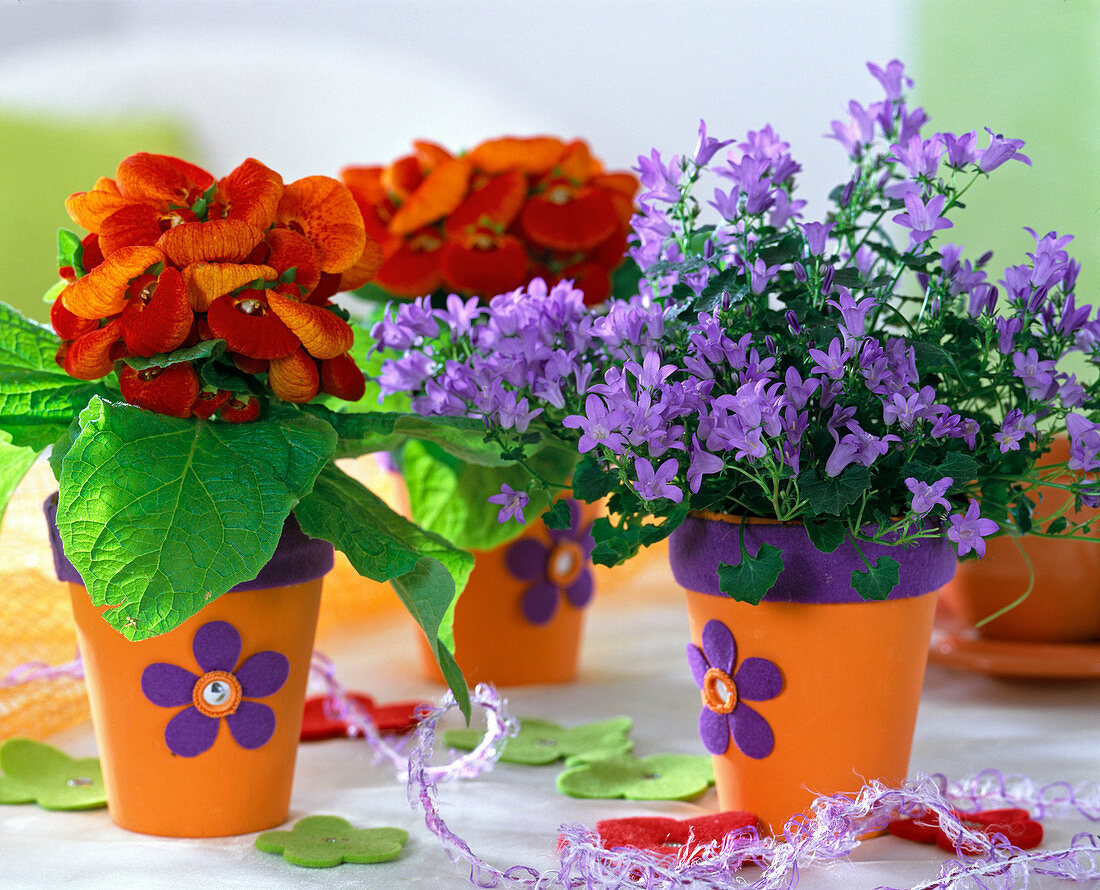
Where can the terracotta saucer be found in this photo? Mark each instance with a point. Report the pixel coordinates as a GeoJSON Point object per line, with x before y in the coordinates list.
{"type": "Point", "coordinates": [956, 646]}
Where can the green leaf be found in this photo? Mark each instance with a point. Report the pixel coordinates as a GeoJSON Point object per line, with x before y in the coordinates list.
{"type": "Point", "coordinates": [223, 375]}
{"type": "Point", "coordinates": [202, 349]}
{"type": "Point", "coordinates": [38, 400]}
{"type": "Point", "coordinates": [425, 570]}
{"type": "Point", "coordinates": [788, 249]}
{"type": "Point", "coordinates": [451, 497]}
{"type": "Point", "coordinates": [373, 293]}
{"type": "Point", "coordinates": [462, 437]}
{"type": "Point", "coordinates": [848, 277]}
{"type": "Point", "coordinates": [615, 544]}
{"type": "Point", "coordinates": [931, 357]}
{"type": "Point", "coordinates": [1021, 514]}
{"type": "Point", "coordinates": [590, 481]}
{"type": "Point", "coordinates": [202, 203]}
{"type": "Point", "coordinates": [877, 582]}
{"type": "Point", "coordinates": [1057, 526]}
{"type": "Point", "coordinates": [962, 469]}
{"type": "Point", "coordinates": [753, 577]}
{"type": "Point", "coordinates": [826, 535]}
{"type": "Point", "coordinates": [70, 251]}
{"type": "Point", "coordinates": [625, 279]}
{"type": "Point", "coordinates": [721, 282]}
{"type": "Point", "coordinates": [832, 494]}
{"type": "Point", "coordinates": [54, 292]}
{"type": "Point", "coordinates": [558, 516]}
{"type": "Point", "coordinates": [15, 460]}
{"type": "Point", "coordinates": [161, 515]}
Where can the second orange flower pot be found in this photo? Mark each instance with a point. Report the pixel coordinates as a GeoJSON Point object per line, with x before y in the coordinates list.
{"type": "Point", "coordinates": [814, 690]}
{"type": "Point", "coordinates": [519, 620]}
{"type": "Point", "coordinates": [198, 728]}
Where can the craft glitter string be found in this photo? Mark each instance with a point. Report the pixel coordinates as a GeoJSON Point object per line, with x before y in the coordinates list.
{"type": "Point", "coordinates": [830, 831]}
{"type": "Point", "coordinates": [339, 705]}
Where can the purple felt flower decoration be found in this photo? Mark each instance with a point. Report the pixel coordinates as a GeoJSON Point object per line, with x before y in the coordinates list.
{"type": "Point", "coordinates": [725, 713]}
{"type": "Point", "coordinates": [221, 691]}
{"type": "Point", "coordinates": [563, 567]}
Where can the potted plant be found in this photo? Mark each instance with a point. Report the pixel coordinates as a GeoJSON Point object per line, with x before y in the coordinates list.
{"type": "Point", "coordinates": [821, 414]}
{"type": "Point", "coordinates": [189, 390]}
{"type": "Point", "coordinates": [454, 231]}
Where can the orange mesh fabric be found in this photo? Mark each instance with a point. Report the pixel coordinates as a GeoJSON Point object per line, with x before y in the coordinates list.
{"type": "Point", "coordinates": [37, 622]}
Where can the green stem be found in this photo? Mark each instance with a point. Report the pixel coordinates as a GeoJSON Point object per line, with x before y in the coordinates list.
{"type": "Point", "coordinates": [1019, 599]}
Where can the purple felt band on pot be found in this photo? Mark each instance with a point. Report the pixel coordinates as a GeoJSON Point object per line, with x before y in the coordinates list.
{"type": "Point", "coordinates": [699, 546]}
{"type": "Point", "coordinates": [298, 558]}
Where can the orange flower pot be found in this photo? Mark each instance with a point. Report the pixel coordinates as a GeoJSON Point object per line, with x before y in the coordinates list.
{"type": "Point", "coordinates": [1064, 604]}
{"type": "Point", "coordinates": [198, 728]}
{"type": "Point", "coordinates": [519, 620]}
{"type": "Point", "coordinates": [814, 690]}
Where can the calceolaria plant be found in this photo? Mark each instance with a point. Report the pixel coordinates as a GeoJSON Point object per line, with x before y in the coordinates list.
{"type": "Point", "coordinates": [854, 373]}
{"type": "Point", "coordinates": [189, 390]}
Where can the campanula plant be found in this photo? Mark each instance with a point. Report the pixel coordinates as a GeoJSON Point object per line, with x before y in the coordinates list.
{"type": "Point", "coordinates": [859, 373]}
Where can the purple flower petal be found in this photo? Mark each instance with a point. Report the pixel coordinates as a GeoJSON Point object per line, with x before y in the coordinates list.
{"type": "Point", "coordinates": [751, 732]}
{"type": "Point", "coordinates": [526, 559]}
{"type": "Point", "coordinates": [698, 664]}
{"type": "Point", "coordinates": [580, 591]}
{"type": "Point", "coordinates": [757, 680]}
{"type": "Point", "coordinates": [540, 602]}
{"type": "Point", "coordinates": [718, 645]}
{"type": "Point", "coordinates": [252, 724]}
{"type": "Point", "coordinates": [217, 646]}
{"type": "Point", "coordinates": [167, 685]}
{"type": "Point", "coordinates": [714, 729]}
{"type": "Point", "coordinates": [190, 733]}
{"type": "Point", "coordinates": [263, 674]}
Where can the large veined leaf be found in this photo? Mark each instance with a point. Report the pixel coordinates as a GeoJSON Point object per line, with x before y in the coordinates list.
{"type": "Point", "coordinates": [38, 400]}
{"type": "Point", "coordinates": [451, 497]}
{"type": "Point", "coordinates": [160, 515]}
{"type": "Point", "coordinates": [462, 437]}
{"type": "Point", "coordinates": [425, 570]}
{"type": "Point", "coordinates": [15, 460]}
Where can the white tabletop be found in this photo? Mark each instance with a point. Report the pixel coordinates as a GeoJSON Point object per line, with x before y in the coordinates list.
{"type": "Point", "coordinates": [1048, 730]}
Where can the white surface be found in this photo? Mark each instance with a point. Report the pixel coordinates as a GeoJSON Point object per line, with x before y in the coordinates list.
{"type": "Point", "coordinates": [1048, 730]}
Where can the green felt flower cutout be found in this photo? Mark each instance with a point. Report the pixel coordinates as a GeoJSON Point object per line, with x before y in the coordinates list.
{"type": "Point", "coordinates": [34, 772]}
{"type": "Point", "coordinates": [326, 841]}
{"type": "Point", "coordinates": [540, 741]}
{"type": "Point", "coordinates": [657, 777]}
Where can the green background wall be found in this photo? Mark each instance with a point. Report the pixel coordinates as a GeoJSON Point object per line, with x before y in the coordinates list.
{"type": "Point", "coordinates": [1029, 69]}
{"type": "Point", "coordinates": [42, 162]}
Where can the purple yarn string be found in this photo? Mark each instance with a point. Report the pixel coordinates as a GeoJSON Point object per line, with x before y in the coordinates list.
{"type": "Point", "coordinates": [30, 671]}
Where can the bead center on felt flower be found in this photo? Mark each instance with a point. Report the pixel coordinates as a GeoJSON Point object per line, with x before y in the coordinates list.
{"type": "Point", "coordinates": [719, 691]}
{"type": "Point", "coordinates": [79, 782]}
{"type": "Point", "coordinates": [216, 694]}
{"type": "Point", "coordinates": [564, 563]}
